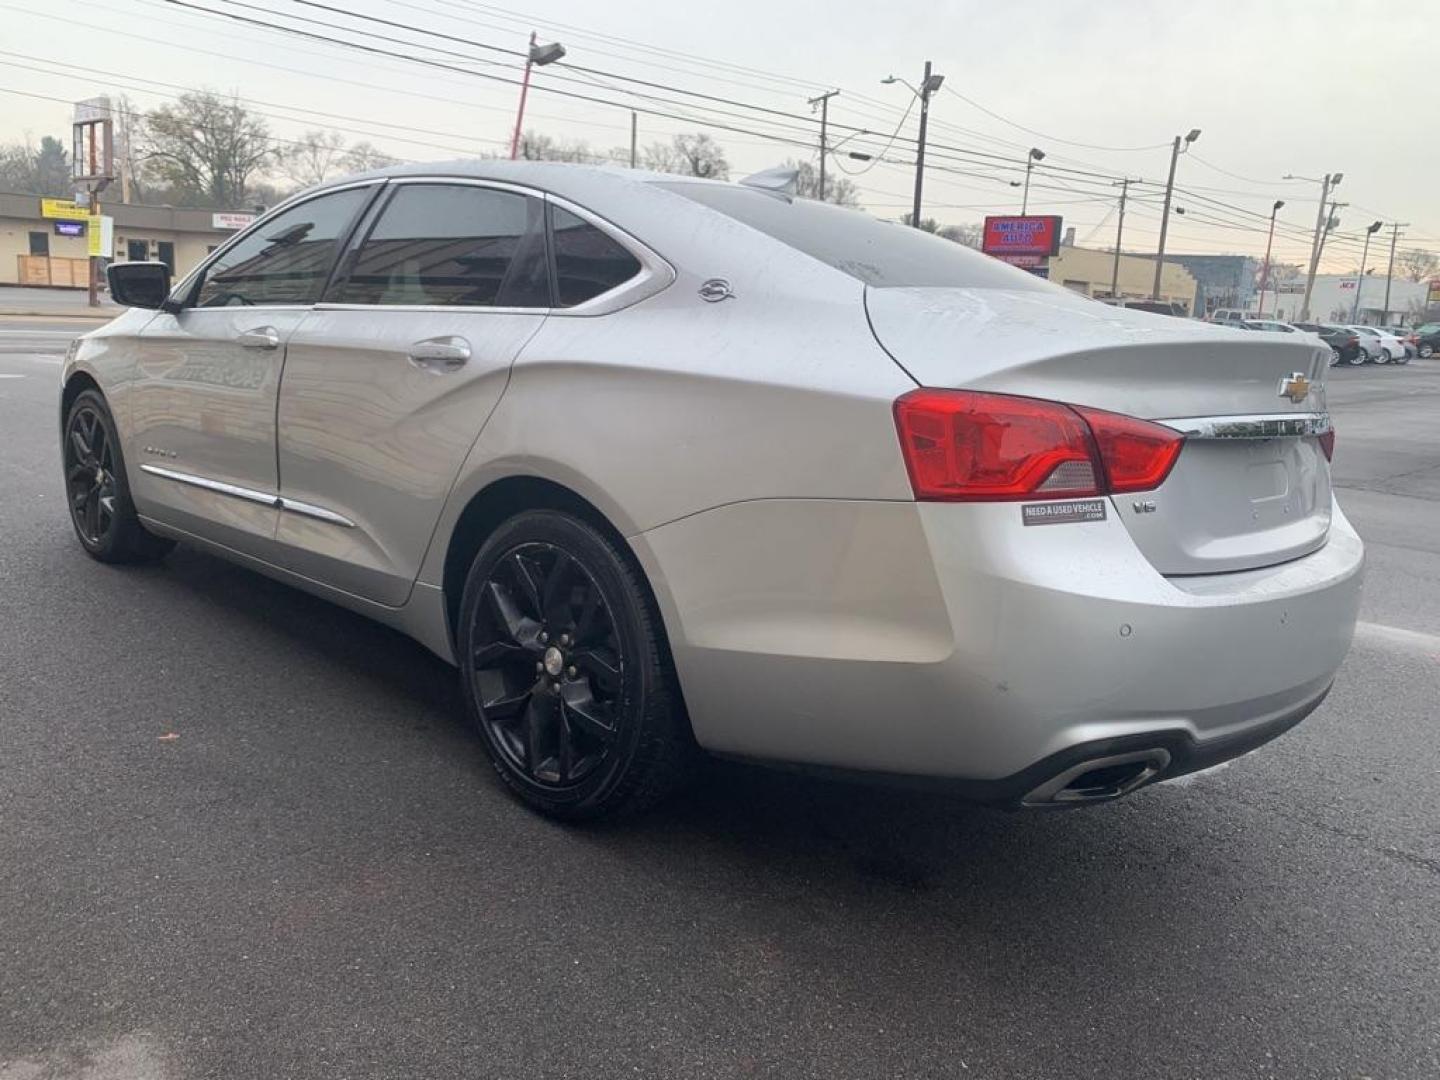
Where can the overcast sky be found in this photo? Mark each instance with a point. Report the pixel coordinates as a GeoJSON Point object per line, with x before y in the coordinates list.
{"type": "Point", "coordinates": [1276, 86]}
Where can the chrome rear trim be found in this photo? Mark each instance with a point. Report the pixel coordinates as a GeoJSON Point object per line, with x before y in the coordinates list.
{"type": "Point", "coordinates": [233, 490]}
{"type": "Point", "coordinates": [1255, 426]}
{"type": "Point", "coordinates": [295, 506]}
{"type": "Point", "coordinates": [317, 512]}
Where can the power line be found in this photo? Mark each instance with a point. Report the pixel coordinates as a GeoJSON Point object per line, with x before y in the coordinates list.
{"type": "Point", "coordinates": [1049, 138]}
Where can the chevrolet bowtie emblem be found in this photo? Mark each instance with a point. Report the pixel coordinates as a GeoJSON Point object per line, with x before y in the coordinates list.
{"type": "Point", "coordinates": [1295, 386]}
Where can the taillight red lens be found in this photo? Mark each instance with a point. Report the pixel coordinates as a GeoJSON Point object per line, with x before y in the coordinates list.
{"type": "Point", "coordinates": [1137, 454]}
{"type": "Point", "coordinates": [962, 446]}
{"type": "Point", "coordinates": [1327, 444]}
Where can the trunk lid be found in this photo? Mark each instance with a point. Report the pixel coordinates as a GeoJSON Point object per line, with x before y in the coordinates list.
{"type": "Point", "coordinates": [1243, 494]}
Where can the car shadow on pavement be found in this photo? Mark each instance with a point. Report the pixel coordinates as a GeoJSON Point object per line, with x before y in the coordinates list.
{"type": "Point", "coordinates": [871, 840]}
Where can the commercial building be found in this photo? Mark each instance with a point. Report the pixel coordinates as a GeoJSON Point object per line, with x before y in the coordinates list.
{"type": "Point", "coordinates": [1226, 281]}
{"type": "Point", "coordinates": [1333, 300]}
{"type": "Point", "coordinates": [46, 241]}
{"type": "Point", "coordinates": [1091, 271]}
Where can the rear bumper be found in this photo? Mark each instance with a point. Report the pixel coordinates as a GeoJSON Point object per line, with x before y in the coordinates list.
{"type": "Point", "coordinates": [951, 642]}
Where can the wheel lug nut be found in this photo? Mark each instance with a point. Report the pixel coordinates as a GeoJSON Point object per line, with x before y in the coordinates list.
{"type": "Point", "coordinates": [544, 637]}
{"type": "Point", "coordinates": [539, 665]}
{"type": "Point", "coordinates": [564, 639]}
{"type": "Point", "coordinates": [570, 671]}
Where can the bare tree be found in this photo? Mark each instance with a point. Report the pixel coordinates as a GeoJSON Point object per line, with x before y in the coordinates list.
{"type": "Point", "coordinates": [313, 158]}
{"type": "Point", "coordinates": [537, 147]}
{"type": "Point", "coordinates": [689, 155]}
{"type": "Point", "coordinates": [207, 148]}
{"type": "Point", "coordinates": [927, 224]}
{"type": "Point", "coordinates": [970, 235]}
{"type": "Point", "coordinates": [1417, 264]}
{"type": "Point", "coordinates": [838, 189]}
{"type": "Point", "coordinates": [362, 156]}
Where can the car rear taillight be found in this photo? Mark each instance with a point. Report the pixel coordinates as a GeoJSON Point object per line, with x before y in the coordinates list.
{"type": "Point", "coordinates": [1327, 444]}
{"type": "Point", "coordinates": [965, 446]}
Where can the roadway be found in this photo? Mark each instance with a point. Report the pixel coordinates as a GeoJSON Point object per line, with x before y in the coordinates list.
{"type": "Point", "coordinates": [244, 834]}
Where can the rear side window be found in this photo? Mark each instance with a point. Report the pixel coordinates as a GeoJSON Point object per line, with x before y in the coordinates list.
{"type": "Point", "coordinates": [287, 259]}
{"type": "Point", "coordinates": [587, 261]}
{"type": "Point", "coordinates": [882, 254]}
{"type": "Point", "coordinates": [452, 244]}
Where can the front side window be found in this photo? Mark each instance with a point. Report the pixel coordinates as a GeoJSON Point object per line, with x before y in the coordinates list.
{"type": "Point", "coordinates": [287, 259]}
{"type": "Point", "coordinates": [452, 244]}
{"type": "Point", "coordinates": [587, 261]}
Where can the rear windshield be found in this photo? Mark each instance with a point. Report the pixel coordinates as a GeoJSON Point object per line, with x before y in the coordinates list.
{"type": "Point", "coordinates": [882, 254]}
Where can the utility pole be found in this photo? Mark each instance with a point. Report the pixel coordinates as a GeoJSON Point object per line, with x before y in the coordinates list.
{"type": "Point", "coordinates": [634, 125]}
{"type": "Point", "coordinates": [925, 91]}
{"type": "Point", "coordinates": [1119, 232]}
{"type": "Point", "coordinates": [537, 56]}
{"type": "Point", "coordinates": [928, 85]}
{"type": "Point", "coordinates": [1318, 242]}
{"type": "Point", "coordinates": [1265, 273]}
{"type": "Point", "coordinates": [824, 102]}
{"type": "Point", "coordinates": [1395, 227]}
{"type": "Point", "coordinates": [1165, 213]}
{"type": "Point", "coordinates": [1331, 222]}
{"type": "Point", "coordinates": [1370, 230]}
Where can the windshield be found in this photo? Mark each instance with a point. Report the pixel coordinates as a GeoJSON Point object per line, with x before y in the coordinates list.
{"type": "Point", "coordinates": [882, 254]}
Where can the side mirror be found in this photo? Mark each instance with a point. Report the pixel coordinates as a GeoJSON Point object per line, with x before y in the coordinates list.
{"type": "Point", "coordinates": [139, 284]}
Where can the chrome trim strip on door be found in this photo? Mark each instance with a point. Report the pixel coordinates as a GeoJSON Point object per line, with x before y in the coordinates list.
{"type": "Point", "coordinates": [1254, 426]}
{"type": "Point", "coordinates": [295, 506]}
{"type": "Point", "coordinates": [234, 490]}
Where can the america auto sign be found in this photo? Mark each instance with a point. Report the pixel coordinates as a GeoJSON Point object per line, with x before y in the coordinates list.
{"type": "Point", "coordinates": [1036, 234]}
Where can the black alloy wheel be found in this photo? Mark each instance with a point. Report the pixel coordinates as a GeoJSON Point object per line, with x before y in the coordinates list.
{"type": "Point", "coordinates": [548, 665]}
{"type": "Point", "coordinates": [90, 475]}
{"type": "Point", "coordinates": [97, 492]}
{"type": "Point", "coordinates": [565, 670]}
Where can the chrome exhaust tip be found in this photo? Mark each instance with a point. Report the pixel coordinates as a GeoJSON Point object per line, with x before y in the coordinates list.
{"type": "Point", "coordinates": [1100, 779]}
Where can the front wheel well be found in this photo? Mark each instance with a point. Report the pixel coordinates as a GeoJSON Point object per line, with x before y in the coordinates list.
{"type": "Point", "coordinates": [74, 387]}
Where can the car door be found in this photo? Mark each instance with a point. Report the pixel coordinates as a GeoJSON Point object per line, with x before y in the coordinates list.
{"type": "Point", "coordinates": [202, 403]}
{"type": "Point", "coordinates": [389, 380]}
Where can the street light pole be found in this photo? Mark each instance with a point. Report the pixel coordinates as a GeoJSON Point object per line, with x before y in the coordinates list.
{"type": "Point", "coordinates": [824, 102]}
{"type": "Point", "coordinates": [1035, 155]}
{"type": "Point", "coordinates": [1175, 152]}
{"type": "Point", "coordinates": [1395, 227]}
{"type": "Point", "coordinates": [1328, 183]}
{"type": "Point", "coordinates": [537, 56]}
{"type": "Point", "coordinates": [1265, 273]}
{"type": "Point", "coordinates": [928, 85]}
{"type": "Point", "coordinates": [1370, 231]}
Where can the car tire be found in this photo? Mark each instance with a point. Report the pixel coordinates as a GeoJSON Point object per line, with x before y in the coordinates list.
{"type": "Point", "coordinates": [1334, 357]}
{"type": "Point", "coordinates": [1358, 359]}
{"type": "Point", "coordinates": [97, 490]}
{"type": "Point", "coordinates": [1427, 351]}
{"type": "Point", "coordinates": [565, 671]}
{"type": "Point", "coordinates": [1382, 357]}
{"type": "Point", "coordinates": [1405, 359]}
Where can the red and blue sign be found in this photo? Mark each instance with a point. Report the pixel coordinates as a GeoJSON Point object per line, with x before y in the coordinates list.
{"type": "Point", "coordinates": [1036, 234]}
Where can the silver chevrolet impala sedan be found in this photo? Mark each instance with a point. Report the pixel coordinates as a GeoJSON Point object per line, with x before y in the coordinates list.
{"type": "Point", "coordinates": [666, 465]}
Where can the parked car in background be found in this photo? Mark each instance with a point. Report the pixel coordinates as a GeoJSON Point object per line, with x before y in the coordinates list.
{"type": "Point", "coordinates": [1392, 348]}
{"type": "Point", "coordinates": [659, 461]}
{"type": "Point", "coordinates": [1274, 326]}
{"type": "Point", "coordinates": [1427, 340]}
{"type": "Point", "coordinates": [1344, 342]}
{"type": "Point", "coordinates": [1231, 316]}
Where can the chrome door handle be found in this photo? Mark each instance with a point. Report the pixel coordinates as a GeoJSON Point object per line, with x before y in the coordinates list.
{"type": "Point", "coordinates": [440, 355]}
{"type": "Point", "coordinates": [262, 337]}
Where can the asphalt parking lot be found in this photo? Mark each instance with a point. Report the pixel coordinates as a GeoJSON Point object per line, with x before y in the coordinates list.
{"type": "Point", "coordinates": [244, 833]}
